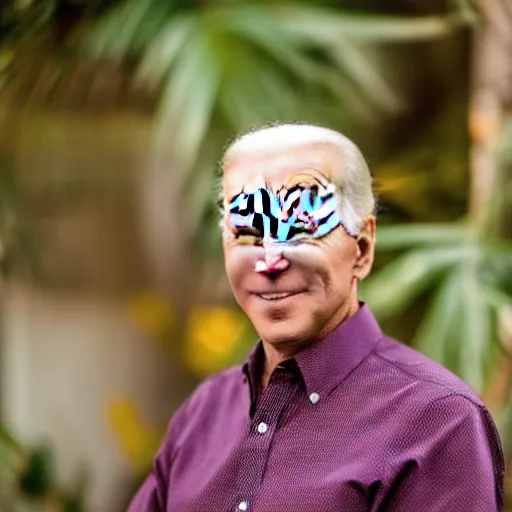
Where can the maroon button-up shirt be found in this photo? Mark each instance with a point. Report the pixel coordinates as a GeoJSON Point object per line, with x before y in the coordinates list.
{"type": "Point", "coordinates": [355, 422]}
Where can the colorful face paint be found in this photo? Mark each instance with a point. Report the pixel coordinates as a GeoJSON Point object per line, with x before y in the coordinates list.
{"type": "Point", "coordinates": [289, 216]}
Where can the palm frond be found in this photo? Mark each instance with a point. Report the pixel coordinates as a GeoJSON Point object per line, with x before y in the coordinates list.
{"type": "Point", "coordinates": [191, 101]}
{"type": "Point", "coordinates": [413, 235]}
{"type": "Point", "coordinates": [164, 48]}
{"type": "Point", "coordinates": [351, 59]}
{"type": "Point", "coordinates": [393, 288]}
{"type": "Point", "coordinates": [434, 336]}
{"type": "Point", "coordinates": [474, 327]}
{"type": "Point", "coordinates": [327, 25]}
{"type": "Point", "coordinates": [291, 59]}
{"type": "Point", "coordinates": [468, 275]}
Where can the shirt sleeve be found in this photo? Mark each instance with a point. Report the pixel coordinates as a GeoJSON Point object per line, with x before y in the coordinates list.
{"type": "Point", "coordinates": [152, 495]}
{"type": "Point", "coordinates": [455, 462]}
{"type": "Point", "coordinates": [147, 498]}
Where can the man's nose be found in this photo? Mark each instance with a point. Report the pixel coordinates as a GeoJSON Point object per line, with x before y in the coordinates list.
{"type": "Point", "coordinates": [274, 261]}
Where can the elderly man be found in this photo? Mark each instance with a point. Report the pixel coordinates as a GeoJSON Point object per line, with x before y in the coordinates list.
{"type": "Point", "coordinates": [327, 413]}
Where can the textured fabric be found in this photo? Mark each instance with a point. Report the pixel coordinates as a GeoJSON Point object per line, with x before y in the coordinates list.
{"type": "Point", "coordinates": [356, 422]}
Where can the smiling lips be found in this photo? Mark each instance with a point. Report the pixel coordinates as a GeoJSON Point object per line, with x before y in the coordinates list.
{"type": "Point", "coordinates": [276, 296]}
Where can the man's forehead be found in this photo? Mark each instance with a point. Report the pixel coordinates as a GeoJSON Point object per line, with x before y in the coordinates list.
{"type": "Point", "coordinates": [278, 166]}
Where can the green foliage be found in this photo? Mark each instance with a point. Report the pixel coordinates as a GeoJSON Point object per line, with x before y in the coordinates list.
{"type": "Point", "coordinates": [465, 275]}
{"type": "Point", "coordinates": [27, 480]}
{"type": "Point", "coordinates": [21, 19]}
{"type": "Point", "coordinates": [26, 20]}
{"type": "Point", "coordinates": [10, 451]}
{"type": "Point", "coordinates": [17, 239]}
{"type": "Point", "coordinates": [223, 67]}
{"type": "Point", "coordinates": [35, 480]}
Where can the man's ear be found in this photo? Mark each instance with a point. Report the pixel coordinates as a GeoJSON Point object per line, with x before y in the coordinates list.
{"type": "Point", "coordinates": [365, 248]}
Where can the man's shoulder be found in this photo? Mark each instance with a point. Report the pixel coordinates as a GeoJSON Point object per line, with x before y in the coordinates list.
{"type": "Point", "coordinates": [408, 366]}
{"type": "Point", "coordinates": [433, 399]}
{"type": "Point", "coordinates": [232, 376]}
{"type": "Point", "coordinates": [212, 397]}
{"type": "Point", "coordinates": [219, 386]}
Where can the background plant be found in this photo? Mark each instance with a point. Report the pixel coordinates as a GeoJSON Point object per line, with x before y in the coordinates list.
{"type": "Point", "coordinates": [218, 68]}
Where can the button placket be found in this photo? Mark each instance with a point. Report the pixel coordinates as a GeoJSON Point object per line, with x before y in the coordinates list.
{"type": "Point", "coordinates": [275, 399]}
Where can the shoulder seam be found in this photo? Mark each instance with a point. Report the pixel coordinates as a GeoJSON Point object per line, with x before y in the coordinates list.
{"type": "Point", "coordinates": [223, 374]}
{"type": "Point", "coordinates": [450, 391]}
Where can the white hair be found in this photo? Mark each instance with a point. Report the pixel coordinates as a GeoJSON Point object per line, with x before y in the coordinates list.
{"type": "Point", "coordinates": [356, 199]}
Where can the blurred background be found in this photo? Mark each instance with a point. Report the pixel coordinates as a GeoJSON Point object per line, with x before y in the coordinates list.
{"type": "Point", "coordinates": [113, 117]}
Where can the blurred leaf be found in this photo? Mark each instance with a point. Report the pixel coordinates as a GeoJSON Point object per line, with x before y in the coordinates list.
{"type": "Point", "coordinates": [435, 333]}
{"type": "Point", "coordinates": [37, 478]}
{"type": "Point", "coordinates": [118, 31]}
{"type": "Point", "coordinates": [467, 8]}
{"type": "Point", "coordinates": [249, 62]}
{"type": "Point", "coordinates": [22, 19]}
{"type": "Point", "coordinates": [11, 453]}
{"type": "Point", "coordinates": [138, 441]}
{"type": "Point", "coordinates": [496, 298]}
{"type": "Point", "coordinates": [409, 235]}
{"type": "Point", "coordinates": [475, 328]}
{"type": "Point", "coordinates": [7, 441]}
{"type": "Point", "coordinates": [164, 49]}
{"type": "Point", "coordinates": [17, 239]}
{"type": "Point", "coordinates": [352, 59]}
{"type": "Point", "coordinates": [191, 100]}
{"type": "Point", "coordinates": [390, 291]}
{"type": "Point", "coordinates": [457, 329]}
{"type": "Point", "coordinates": [330, 25]}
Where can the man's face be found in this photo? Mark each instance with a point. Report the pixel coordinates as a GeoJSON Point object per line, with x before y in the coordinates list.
{"type": "Point", "coordinates": [295, 288]}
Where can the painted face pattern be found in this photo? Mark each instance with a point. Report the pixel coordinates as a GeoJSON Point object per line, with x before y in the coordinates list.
{"type": "Point", "coordinates": [289, 216]}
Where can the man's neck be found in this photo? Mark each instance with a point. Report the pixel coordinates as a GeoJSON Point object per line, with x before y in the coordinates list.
{"type": "Point", "coordinates": [275, 354]}
{"type": "Point", "coordinates": [273, 358]}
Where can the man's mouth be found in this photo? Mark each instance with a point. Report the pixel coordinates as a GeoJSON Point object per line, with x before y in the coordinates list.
{"type": "Point", "coordinates": [275, 296]}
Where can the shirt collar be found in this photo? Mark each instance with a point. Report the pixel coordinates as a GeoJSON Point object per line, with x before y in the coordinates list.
{"type": "Point", "coordinates": [325, 364]}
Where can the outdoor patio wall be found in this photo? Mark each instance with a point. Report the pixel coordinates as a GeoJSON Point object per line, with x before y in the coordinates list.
{"type": "Point", "coordinates": [103, 213]}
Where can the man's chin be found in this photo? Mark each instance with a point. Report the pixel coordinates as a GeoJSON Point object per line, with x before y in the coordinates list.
{"type": "Point", "coordinates": [283, 333]}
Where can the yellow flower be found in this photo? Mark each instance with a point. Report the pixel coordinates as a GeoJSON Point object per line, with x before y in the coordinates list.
{"type": "Point", "coordinates": [151, 312]}
{"type": "Point", "coordinates": [211, 338]}
{"type": "Point", "coordinates": [138, 442]}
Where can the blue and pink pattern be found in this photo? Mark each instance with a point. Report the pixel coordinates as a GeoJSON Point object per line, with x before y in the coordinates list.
{"type": "Point", "coordinates": [288, 216]}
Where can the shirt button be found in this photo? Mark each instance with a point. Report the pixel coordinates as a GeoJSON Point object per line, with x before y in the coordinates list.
{"type": "Point", "coordinates": [314, 397]}
{"type": "Point", "coordinates": [262, 428]}
{"type": "Point", "coordinates": [243, 506]}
